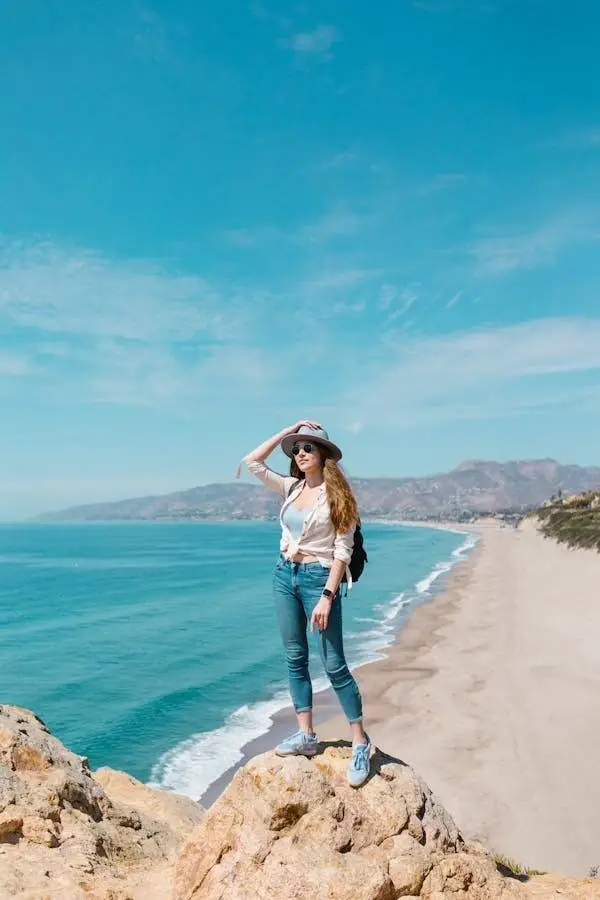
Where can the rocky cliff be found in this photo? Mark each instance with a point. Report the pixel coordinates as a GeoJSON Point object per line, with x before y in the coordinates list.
{"type": "Point", "coordinates": [284, 830]}
{"type": "Point", "coordinates": [68, 833]}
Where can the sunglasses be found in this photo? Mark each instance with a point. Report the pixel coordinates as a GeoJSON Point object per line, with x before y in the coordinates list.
{"type": "Point", "coordinates": [308, 448]}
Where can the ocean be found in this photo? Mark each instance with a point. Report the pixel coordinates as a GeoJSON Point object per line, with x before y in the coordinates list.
{"type": "Point", "coordinates": [153, 648]}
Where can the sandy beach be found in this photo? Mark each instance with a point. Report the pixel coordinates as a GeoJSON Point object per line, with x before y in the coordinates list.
{"type": "Point", "coordinates": [491, 692]}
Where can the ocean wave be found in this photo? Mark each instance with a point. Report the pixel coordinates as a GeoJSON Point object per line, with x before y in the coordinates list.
{"type": "Point", "coordinates": [191, 766]}
{"type": "Point", "coordinates": [194, 764]}
{"type": "Point", "coordinates": [442, 568]}
{"type": "Point", "coordinates": [463, 551]}
{"type": "Point", "coordinates": [370, 645]}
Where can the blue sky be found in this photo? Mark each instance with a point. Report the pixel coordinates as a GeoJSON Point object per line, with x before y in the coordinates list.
{"type": "Point", "coordinates": [218, 218]}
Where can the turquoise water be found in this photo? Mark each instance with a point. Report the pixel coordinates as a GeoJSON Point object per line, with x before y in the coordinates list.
{"type": "Point", "coordinates": [153, 647]}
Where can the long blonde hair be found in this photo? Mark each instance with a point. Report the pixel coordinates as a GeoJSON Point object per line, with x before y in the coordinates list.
{"type": "Point", "coordinates": [343, 507]}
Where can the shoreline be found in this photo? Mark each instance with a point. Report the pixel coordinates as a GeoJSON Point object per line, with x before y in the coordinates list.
{"type": "Point", "coordinates": [283, 721]}
{"type": "Point", "coordinates": [490, 693]}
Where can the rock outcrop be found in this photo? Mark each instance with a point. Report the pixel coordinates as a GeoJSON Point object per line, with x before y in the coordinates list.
{"type": "Point", "coordinates": [67, 834]}
{"type": "Point", "coordinates": [285, 829]}
{"type": "Point", "coordinates": [292, 829]}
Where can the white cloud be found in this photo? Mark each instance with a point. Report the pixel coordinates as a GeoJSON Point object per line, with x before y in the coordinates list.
{"type": "Point", "coordinates": [387, 295]}
{"type": "Point", "coordinates": [158, 37]}
{"type": "Point", "coordinates": [156, 377]}
{"type": "Point", "coordinates": [315, 44]}
{"type": "Point", "coordinates": [529, 248]}
{"type": "Point", "coordinates": [396, 303]}
{"type": "Point", "coordinates": [81, 292]}
{"type": "Point", "coordinates": [578, 139]}
{"type": "Point", "coordinates": [407, 298]}
{"type": "Point", "coordinates": [340, 278]}
{"type": "Point", "coordinates": [333, 225]}
{"type": "Point", "coordinates": [134, 332]}
{"type": "Point", "coordinates": [498, 255]}
{"type": "Point", "coordinates": [255, 236]}
{"type": "Point", "coordinates": [260, 11]}
{"type": "Point", "coordinates": [454, 299]}
{"type": "Point", "coordinates": [15, 364]}
{"type": "Point", "coordinates": [475, 374]}
{"type": "Point", "coordinates": [355, 427]}
{"type": "Point", "coordinates": [151, 34]}
{"type": "Point", "coordinates": [343, 308]}
{"type": "Point", "coordinates": [338, 160]}
{"type": "Point", "coordinates": [442, 182]}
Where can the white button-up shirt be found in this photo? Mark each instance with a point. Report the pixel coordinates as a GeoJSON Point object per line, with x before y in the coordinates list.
{"type": "Point", "coordinates": [319, 537]}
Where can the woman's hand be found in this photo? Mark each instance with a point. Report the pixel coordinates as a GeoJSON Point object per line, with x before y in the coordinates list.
{"type": "Point", "coordinates": [320, 614]}
{"type": "Point", "coordinates": [303, 423]}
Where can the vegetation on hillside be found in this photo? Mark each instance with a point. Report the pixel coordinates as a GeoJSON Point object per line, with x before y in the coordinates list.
{"type": "Point", "coordinates": [511, 869]}
{"type": "Point", "coordinates": [573, 520]}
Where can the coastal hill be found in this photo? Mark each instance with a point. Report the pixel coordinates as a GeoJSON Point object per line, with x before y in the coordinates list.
{"type": "Point", "coordinates": [474, 487]}
{"type": "Point", "coordinates": [285, 829]}
{"type": "Point", "coordinates": [573, 520]}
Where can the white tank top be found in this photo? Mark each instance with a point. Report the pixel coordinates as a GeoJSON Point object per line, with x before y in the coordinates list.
{"type": "Point", "coordinates": [294, 520]}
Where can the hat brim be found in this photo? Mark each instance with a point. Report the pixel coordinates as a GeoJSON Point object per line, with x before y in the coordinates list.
{"type": "Point", "coordinates": [291, 439]}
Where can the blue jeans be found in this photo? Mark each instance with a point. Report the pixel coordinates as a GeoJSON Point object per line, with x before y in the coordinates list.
{"type": "Point", "coordinates": [297, 588]}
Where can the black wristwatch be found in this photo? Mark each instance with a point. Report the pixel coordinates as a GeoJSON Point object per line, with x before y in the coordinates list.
{"type": "Point", "coordinates": [327, 593]}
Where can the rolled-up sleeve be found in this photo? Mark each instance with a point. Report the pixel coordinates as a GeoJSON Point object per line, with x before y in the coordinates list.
{"type": "Point", "coordinates": [271, 479]}
{"type": "Point", "coordinates": [343, 545]}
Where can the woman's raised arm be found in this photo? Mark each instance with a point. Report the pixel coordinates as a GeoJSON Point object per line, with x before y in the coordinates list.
{"type": "Point", "coordinates": [255, 460]}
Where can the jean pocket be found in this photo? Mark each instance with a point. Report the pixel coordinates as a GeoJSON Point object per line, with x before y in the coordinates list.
{"type": "Point", "coordinates": [317, 575]}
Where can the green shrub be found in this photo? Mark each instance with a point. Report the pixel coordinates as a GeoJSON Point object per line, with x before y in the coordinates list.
{"type": "Point", "coordinates": [511, 869]}
{"type": "Point", "coordinates": [574, 521]}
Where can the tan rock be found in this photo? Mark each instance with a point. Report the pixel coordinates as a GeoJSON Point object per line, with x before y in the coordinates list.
{"type": "Point", "coordinates": [293, 828]}
{"type": "Point", "coordinates": [409, 863]}
{"type": "Point", "coordinates": [40, 831]}
{"type": "Point", "coordinates": [62, 835]}
{"type": "Point", "coordinates": [11, 823]}
{"type": "Point", "coordinates": [546, 887]}
{"type": "Point", "coordinates": [285, 829]}
{"type": "Point", "coordinates": [408, 875]}
{"type": "Point", "coordinates": [465, 875]}
{"type": "Point", "coordinates": [177, 813]}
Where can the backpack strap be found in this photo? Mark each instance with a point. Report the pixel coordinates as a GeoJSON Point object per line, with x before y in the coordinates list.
{"type": "Point", "coordinates": [292, 488]}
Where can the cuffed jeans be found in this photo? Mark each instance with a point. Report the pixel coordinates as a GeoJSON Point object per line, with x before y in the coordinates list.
{"type": "Point", "coordinates": [297, 588]}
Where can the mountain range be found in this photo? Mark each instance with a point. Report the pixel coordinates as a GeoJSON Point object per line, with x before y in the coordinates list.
{"type": "Point", "coordinates": [475, 487]}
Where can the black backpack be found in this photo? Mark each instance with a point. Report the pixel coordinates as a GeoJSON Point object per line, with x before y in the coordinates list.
{"type": "Point", "coordinates": [359, 554]}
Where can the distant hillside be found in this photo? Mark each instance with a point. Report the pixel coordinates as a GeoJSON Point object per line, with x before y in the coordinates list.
{"type": "Point", "coordinates": [475, 486]}
{"type": "Point", "coordinates": [574, 520]}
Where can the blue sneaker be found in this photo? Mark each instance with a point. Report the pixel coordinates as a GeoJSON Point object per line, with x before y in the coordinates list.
{"type": "Point", "coordinates": [299, 744]}
{"type": "Point", "coordinates": [358, 770]}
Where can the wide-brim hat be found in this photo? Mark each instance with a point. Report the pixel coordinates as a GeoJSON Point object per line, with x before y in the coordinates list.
{"type": "Point", "coordinates": [316, 435]}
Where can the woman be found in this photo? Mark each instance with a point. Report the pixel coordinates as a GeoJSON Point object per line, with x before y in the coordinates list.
{"type": "Point", "coordinates": [318, 518]}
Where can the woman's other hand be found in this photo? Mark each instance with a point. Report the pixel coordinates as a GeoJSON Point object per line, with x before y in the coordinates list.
{"type": "Point", "coordinates": [320, 614]}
